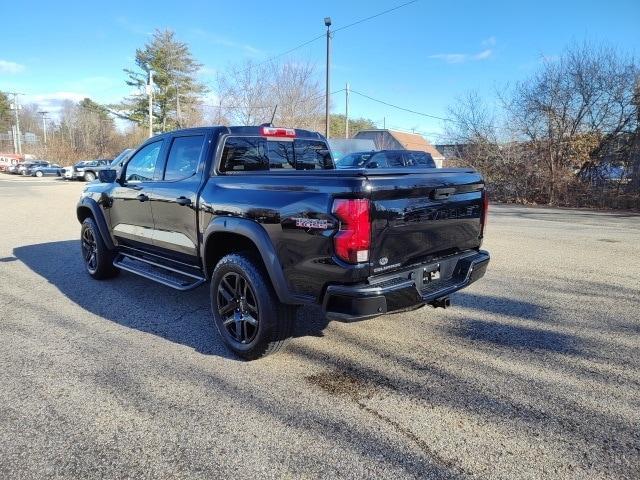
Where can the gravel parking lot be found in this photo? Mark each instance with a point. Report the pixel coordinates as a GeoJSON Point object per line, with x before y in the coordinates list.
{"type": "Point", "coordinates": [534, 372]}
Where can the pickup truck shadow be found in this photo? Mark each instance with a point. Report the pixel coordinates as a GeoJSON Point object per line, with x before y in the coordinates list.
{"type": "Point", "coordinates": [135, 302]}
{"type": "Point", "coordinates": [509, 335]}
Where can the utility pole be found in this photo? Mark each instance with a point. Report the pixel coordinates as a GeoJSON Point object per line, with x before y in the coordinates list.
{"type": "Point", "coordinates": [15, 106]}
{"type": "Point", "coordinates": [327, 99]}
{"type": "Point", "coordinates": [150, 94]}
{"type": "Point", "coordinates": [178, 107]}
{"type": "Point", "coordinates": [44, 126]}
{"type": "Point", "coordinates": [384, 123]}
{"type": "Point", "coordinates": [346, 111]}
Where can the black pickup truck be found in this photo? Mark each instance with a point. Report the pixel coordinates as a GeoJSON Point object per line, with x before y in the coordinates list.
{"type": "Point", "coordinates": [264, 215]}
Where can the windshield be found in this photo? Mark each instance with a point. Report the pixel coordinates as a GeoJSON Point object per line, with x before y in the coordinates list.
{"type": "Point", "coordinates": [353, 160]}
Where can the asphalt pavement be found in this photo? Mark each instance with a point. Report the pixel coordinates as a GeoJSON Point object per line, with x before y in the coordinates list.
{"type": "Point", "coordinates": [533, 373]}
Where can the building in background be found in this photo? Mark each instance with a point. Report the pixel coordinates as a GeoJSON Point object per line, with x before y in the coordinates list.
{"type": "Point", "coordinates": [385, 139]}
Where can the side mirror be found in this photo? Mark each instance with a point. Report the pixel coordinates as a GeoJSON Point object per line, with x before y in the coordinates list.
{"type": "Point", "coordinates": [373, 164]}
{"type": "Point", "coordinates": [107, 175]}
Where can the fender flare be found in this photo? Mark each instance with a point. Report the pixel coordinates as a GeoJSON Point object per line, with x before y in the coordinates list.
{"type": "Point", "coordinates": [260, 238]}
{"type": "Point", "coordinates": [98, 216]}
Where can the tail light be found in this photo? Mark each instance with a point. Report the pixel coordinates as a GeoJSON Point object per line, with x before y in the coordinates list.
{"type": "Point", "coordinates": [353, 239]}
{"type": "Point", "coordinates": [278, 132]}
{"type": "Point", "coordinates": [485, 211]}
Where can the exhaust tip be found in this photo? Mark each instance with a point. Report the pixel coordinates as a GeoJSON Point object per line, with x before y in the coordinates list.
{"type": "Point", "coordinates": [444, 302]}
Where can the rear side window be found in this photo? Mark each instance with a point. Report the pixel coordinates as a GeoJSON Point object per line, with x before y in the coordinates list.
{"type": "Point", "coordinates": [184, 157]}
{"type": "Point", "coordinates": [258, 153]}
{"type": "Point", "coordinates": [419, 159]}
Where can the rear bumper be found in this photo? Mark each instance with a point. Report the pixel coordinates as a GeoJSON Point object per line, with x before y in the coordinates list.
{"type": "Point", "coordinates": [405, 289]}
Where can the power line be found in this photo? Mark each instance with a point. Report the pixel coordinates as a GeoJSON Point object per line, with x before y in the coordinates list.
{"type": "Point", "coordinates": [271, 106]}
{"type": "Point", "coordinates": [357, 22]}
{"type": "Point", "coordinates": [288, 51]}
{"type": "Point", "coordinates": [322, 35]}
{"type": "Point", "coordinates": [401, 108]}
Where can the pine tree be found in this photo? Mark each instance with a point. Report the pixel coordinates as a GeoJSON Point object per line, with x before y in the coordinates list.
{"type": "Point", "coordinates": [176, 89]}
{"type": "Point", "coordinates": [5, 112]}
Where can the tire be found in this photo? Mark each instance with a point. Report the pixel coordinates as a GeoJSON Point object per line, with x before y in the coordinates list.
{"type": "Point", "coordinates": [38, 174]}
{"type": "Point", "coordinates": [98, 260]}
{"type": "Point", "coordinates": [274, 321]}
{"type": "Point", "coordinates": [89, 176]}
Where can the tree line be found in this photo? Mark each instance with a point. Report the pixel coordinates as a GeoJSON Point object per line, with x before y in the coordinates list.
{"type": "Point", "coordinates": [243, 94]}
{"type": "Point", "coordinates": [569, 134]}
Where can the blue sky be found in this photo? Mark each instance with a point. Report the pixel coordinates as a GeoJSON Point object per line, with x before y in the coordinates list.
{"type": "Point", "coordinates": [421, 56]}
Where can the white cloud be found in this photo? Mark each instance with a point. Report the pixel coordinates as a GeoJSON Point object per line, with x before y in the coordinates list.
{"type": "Point", "coordinates": [53, 102]}
{"type": "Point", "coordinates": [468, 57]}
{"type": "Point", "coordinates": [216, 39]}
{"type": "Point", "coordinates": [450, 57]}
{"type": "Point", "coordinates": [10, 67]}
{"type": "Point", "coordinates": [207, 71]}
{"type": "Point", "coordinates": [483, 55]}
{"type": "Point", "coordinates": [489, 42]}
{"type": "Point", "coordinates": [132, 27]}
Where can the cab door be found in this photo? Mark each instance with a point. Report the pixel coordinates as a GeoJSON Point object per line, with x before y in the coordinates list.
{"type": "Point", "coordinates": [130, 214]}
{"type": "Point", "coordinates": [174, 197]}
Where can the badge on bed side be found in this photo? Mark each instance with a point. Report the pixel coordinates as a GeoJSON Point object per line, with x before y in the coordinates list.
{"type": "Point", "coordinates": [312, 223]}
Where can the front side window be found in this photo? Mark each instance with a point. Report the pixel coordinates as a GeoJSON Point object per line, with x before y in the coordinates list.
{"type": "Point", "coordinates": [142, 165]}
{"type": "Point", "coordinates": [184, 157]}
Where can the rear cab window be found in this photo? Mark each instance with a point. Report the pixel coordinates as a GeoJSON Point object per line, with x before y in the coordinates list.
{"type": "Point", "coordinates": [254, 153]}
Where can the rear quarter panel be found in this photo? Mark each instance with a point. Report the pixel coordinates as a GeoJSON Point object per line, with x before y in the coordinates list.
{"type": "Point", "coordinates": [294, 209]}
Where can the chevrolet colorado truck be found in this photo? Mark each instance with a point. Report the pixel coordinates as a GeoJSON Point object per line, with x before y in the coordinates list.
{"type": "Point", "coordinates": [262, 214]}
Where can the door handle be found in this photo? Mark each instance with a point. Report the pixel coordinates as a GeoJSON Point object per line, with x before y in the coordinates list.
{"type": "Point", "coordinates": [142, 197]}
{"type": "Point", "coordinates": [183, 201]}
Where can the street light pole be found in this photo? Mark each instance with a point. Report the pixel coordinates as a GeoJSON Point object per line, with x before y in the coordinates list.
{"type": "Point", "coordinates": [327, 99]}
{"type": "Point", "coordinates": [150, 94]}
{"type": "Point", "coordinates": [44, 126]}
{"type": "Point", "coordinates": [346, 111]}
{"type": "Point", "coordinates": [16, 107]}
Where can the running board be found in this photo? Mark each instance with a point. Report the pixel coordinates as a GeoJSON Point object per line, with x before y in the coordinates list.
{"type": "Point", "coordinates": [157, 272]}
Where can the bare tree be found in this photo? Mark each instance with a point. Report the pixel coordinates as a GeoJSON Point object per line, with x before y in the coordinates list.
{"type": "Point", "coordinates": [249, 93]}
{"type": "Point", "coordinates": [383, 141]}
{"type": "Point", "coordinates": [571, 126]}
{"type": "Point", "coordinates": [585, 96]}
{"type": "Point", "coordinates": [244, 91]}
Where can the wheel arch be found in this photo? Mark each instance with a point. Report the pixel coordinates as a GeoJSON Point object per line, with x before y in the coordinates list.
{"type": "Point", "coordinates": [226, 235]}
{"type": "Point", "coordinates": [88, 207]}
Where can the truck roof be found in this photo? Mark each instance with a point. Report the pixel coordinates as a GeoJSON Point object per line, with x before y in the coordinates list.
{"type": "Point", "coordinates": [243, 130]}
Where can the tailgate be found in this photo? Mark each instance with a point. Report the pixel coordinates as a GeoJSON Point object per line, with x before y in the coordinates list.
{"type": "Point", "coordinates": [422, 215]}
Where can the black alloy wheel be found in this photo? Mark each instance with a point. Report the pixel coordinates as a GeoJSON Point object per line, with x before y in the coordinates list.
{"type": "Point", "coordinates": [97, 258]}
{"type": "Point", "coordinates": [246, 310]}
{"type": "Point", "coordinates": [89, 250]}
{"type": "Point", "coordinates": [238, 307]}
